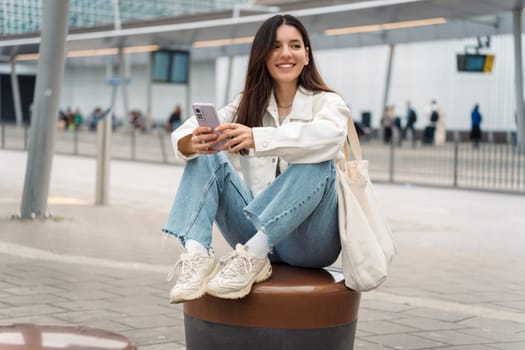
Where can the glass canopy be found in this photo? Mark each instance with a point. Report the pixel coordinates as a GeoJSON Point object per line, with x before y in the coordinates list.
{"type": "Point", "coordinates": [25, 16]}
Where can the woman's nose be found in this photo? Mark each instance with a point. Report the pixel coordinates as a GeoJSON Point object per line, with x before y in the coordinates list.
{"type": "Point", "coordinates": [285, 51]}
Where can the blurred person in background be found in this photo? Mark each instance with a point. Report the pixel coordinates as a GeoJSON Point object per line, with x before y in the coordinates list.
{"type": "Point", "coordinates": [433, 115]}
{"type": "Point", "coordinates": [475, 126]}
{"type": "Point", "coordinates": [137, 120]}
{"type": "Point", "coordinates": [96, 115]}
{"type": "Point", "coordinates": [441, 133]}
{"type": "Point", "coordinates": [411, 119]}
{"type": "Point", "coordinates": [387, 122]}
{"type": "Point", "coordinates": [174, 120]}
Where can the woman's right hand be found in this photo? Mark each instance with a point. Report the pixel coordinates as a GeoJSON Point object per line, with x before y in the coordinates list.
{"type": "Point", "coordinates": [199, 141]}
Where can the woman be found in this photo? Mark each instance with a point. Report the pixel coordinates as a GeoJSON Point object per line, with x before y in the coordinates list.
{"type": "Point", "coordinates": [475, 129]}
{"type": "Point", "coordinates": [286, 127]}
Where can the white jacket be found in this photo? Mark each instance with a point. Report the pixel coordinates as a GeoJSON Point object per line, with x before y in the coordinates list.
{"type": "Point", "coordinates": [313, 132]}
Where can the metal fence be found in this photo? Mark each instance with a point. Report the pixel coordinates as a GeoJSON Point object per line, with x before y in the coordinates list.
{"type": "Point", "coordinates": [497, 167]}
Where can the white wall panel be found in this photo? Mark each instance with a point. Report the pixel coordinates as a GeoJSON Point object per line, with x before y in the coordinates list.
{"type": "Point", "coordinates": [86, 88]}
{"type": "Point", "coordinates": [420, 72]}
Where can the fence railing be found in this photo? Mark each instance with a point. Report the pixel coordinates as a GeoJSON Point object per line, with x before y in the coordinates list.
{"type": "Point", "coordinates": [495, 167]}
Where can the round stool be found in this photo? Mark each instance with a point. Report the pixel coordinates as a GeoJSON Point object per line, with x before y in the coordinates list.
{"type": "Point", "coordinates": [294, 309]}
{"type": "Point", "coordinates": [32, 337]}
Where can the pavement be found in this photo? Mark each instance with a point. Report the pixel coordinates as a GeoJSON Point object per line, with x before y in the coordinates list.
{"type": "Point", "coordinates": [458, 282]}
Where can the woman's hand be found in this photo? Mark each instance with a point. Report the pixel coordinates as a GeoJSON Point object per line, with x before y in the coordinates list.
{"type": "Point", "coordinates": [200, 141]}
{"type": "Point", "coordinates": [237, 136]}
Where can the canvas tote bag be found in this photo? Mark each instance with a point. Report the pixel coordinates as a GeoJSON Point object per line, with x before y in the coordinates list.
{"type": "Point", "coordinates": [367, 246]}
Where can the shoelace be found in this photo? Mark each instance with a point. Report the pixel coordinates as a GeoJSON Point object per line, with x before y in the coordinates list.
{"type": "Point", "coordinates": [235, 264]}
{"type": "Point", "coordinates": [185, 268]}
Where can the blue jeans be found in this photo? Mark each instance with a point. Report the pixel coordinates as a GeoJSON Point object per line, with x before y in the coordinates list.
{"type": "Point", "coordinates": [298, 210]}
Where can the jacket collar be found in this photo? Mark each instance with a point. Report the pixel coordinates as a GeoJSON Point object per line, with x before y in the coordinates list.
{"type": "Point", "coordinates": [301, 109]}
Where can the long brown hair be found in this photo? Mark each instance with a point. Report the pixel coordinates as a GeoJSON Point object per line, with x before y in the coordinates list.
{"type": "Point", "coordinates": [259, 84]}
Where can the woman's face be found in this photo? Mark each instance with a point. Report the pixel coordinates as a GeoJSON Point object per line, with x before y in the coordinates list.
{"type": "Point", "coordinates": [288, 56]}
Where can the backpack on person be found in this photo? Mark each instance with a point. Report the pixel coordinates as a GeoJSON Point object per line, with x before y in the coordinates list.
{"type": "Point", "coordinates": [434, 116]}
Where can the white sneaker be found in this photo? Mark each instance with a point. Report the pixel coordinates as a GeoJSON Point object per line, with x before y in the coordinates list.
{"type": "Point", "coordinates": [194, 271]}
{"type": "Point", "coordinates": [239, 271]}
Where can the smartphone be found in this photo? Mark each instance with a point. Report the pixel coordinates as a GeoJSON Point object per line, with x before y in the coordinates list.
{"type": "Point", "coordinates": [206, 115]}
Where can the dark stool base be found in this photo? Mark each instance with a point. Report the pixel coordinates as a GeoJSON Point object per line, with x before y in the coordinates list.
{"type": "Point", "coordinates": [204, 335]}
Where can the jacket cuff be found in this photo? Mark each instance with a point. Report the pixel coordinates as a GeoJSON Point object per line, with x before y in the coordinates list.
{"type": "Point", "coordinates": [263, 138]}
{"type": "Point", "coordinates": [176, 136]}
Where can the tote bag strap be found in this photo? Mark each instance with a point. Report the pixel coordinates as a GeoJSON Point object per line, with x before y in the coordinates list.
{"type": "Point", "coordinates": [352, 142]}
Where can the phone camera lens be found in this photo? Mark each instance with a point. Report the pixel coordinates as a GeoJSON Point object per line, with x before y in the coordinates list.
{"type": "Point", "coordinates": [198, 110]}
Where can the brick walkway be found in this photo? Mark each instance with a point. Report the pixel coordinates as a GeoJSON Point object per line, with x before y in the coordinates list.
{"type": "Point", "coordinates": [457, 284]}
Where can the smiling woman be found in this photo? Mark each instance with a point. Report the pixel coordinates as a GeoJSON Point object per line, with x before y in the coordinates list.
{"type": "Point", "coordinates": [286, 129]}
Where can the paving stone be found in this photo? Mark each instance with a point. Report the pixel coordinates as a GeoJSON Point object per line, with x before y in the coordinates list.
{"type": "Point", "coordinates": [405, 341]}
{"type": "Point", "coordinates": [164, 346]}
{"type": "Point", "coordinates": [494, 324]}
{"type": "Point", "coordinates": [361, 333]}
{"type": "Point", "coordinates": [37, 309]}
{"type": "Point", "coordinates": [143, 309]}
{"type": "Point", "coordinates": [511, 305]}
{"type": "Point", "coordinates": [452, 337]}
{"type": "Point", "coordinates": [500, 335]}
{"type": "Point", "coordinates": [4, 285]}
{"type": "Point", "coordinates": [84, 305]}
{"type": "Point", "coordinates": [361, 344]}
{"type": "Point", "coordinates": [33, 290]}
{"type": "Point", "coordinates": [510, 346]}
{"type": "Point", "coordinates": [428, 324]}
{"type": "Point", "coordinates": [441, 315]}
{"type": "Point", "coordinates": [86, 294]}
{"type": "Point", "coordinates": [467, 347]}
{"type": "Point", "coordinates": [33, 299]}
{"type": "Point", "coordinates": [366, 314]}
{"type": "Point", "coordinates": [375, 327]}
{"type": "Point", "coordinates": [149, 321]}
{"type": "Point", "coordinates": [83, 316]}
{"type": "Point", "coordinates": [110, 325]}
{"type": "Point", "coordinates": [151, 336]}
{"type": "Point", "coordinates": [36, 319]}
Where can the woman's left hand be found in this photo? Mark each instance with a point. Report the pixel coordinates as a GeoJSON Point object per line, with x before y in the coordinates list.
{"type": "Point", "coordinates": [238, 137]}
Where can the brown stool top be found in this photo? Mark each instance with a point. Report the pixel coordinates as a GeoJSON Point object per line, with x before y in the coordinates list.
{"type": "Point", "coordinates": [42, 337]}
{"type": "Point", "coordinates": [291, 298]}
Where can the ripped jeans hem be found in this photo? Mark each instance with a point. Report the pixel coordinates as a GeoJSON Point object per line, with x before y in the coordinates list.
{"type": "Point", "coordinates": [181, 238]}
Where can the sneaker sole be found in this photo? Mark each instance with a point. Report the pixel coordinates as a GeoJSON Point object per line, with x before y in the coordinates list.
{"type": "Point", "coordinates": [200, 292]}
{"type": "Point", "coordinates": [262, 276]}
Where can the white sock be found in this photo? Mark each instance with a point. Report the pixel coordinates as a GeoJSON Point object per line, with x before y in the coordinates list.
{"type": "Point", "coordinates": [259, 244]}
{"type": "Point", "coordinates": [193, 246]}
